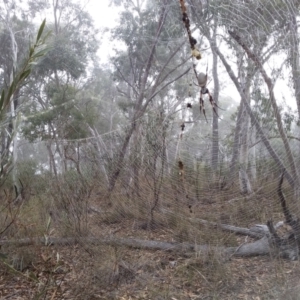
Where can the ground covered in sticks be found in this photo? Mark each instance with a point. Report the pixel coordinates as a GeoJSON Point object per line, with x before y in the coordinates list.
{"type": "Point", "coordinates": [88, 271]}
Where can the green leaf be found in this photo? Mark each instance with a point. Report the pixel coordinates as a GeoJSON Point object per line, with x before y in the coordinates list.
{"type": "Point", "coordinates": [2, 100]}
{"type": "Point", "coordinates": [40, 32]}
{"type": "Point", "coordinates": [31, 51]}
{"type": "Point", "coordinates": [9, 93]}
{"type": "Point", "coordinates": [24, 75]}
{"type": "Point", "coordinates": [40, 53]}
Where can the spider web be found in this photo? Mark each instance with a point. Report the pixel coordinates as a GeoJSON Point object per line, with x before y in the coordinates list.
{"type": "Point", "coordinates": [166, 180]}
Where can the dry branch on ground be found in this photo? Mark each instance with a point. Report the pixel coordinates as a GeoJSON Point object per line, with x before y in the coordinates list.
{"type": "Point", "coordinates": [259, 247]}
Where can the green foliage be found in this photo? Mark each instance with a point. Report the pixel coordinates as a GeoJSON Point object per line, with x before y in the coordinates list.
{"type": "Point", "coordinates": [266, 115]}
{"type": "Point", "coordinates": [36, 51]}
{"type": "Point", "coordinates": [72, 45]}
{"type": "Point", "coordinates": [68, 114]}
{"type": "Point", "coordinates": [61, 108]}
{"type": "Point", "coordinates": [27, 172]}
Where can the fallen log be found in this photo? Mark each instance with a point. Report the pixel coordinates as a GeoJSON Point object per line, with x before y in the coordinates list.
{"type": "Point", "coordinates": [238, 230]}
{"type": "Point", "coordinates": [260, 247]}
{"type": "Point", "coordinates": [253, 232]}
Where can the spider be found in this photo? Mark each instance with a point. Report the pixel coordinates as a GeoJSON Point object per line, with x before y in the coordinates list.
{"type": "Point", "coordinates": [202, 82]}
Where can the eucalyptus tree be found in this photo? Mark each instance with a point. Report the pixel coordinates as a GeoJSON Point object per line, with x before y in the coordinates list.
{"type": "Point", "coordinates": [254, 30]}
{"type": "Point", "coordinates": [275, 16]}
{"type": "Point", "coordinates": [59, 79]}
{"type": "Point", "coordinates": [151, 62]}
{"type": "Point", "coordinates": [209, 21]}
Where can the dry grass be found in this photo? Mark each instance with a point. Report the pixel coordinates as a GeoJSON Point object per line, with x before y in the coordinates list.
{"type": "Point", "coordinates": [105, 272]}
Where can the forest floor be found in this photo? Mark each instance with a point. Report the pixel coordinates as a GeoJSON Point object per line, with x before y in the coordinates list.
{"type": "Point", "coordinates": [83, 271]}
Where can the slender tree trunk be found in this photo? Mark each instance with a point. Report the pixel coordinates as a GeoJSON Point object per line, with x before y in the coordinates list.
{"type": "Point", "coordinates": [15, 141]}
{"type": "Point", "coordinates": [252, 156]}
{"type": "Point", "coordinates": [236, 146]}
{"type": "Point", "coordinates": [215, 125]}
{"type": "Point", "coordinates": [98, 141]}
{"type": "Point", "coordinates": [136, 161]}
{"type": "Point", "coordinates": [14, 103]}
{"type": "Point", "coordinates": [244, 151]}
{"type": "Point", "coordinates": [118, 162]}
{"type": "Point", "coordinates": [240, 145]}
{"type": "Point", "coordinates": [52, 164]}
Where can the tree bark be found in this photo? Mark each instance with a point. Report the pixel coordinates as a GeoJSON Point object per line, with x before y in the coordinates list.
{"type": "Point", "coordinates": [245, 185]}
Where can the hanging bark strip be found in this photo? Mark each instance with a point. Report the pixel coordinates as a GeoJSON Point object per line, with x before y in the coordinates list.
{"type": "Point", "coordinates": [195, 52]}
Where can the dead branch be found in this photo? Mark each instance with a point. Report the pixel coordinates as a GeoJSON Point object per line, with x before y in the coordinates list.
{"type": "Point", "coordinates": [252, 232]}
{"type": "Point", "coordinates": [238, 230]}
{"type": "Point", "coordinates": [256, 248]}
{"type": "Point", "coordinates": [259, 247]}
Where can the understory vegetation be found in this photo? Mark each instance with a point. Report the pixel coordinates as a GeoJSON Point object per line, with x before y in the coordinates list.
{"type": "Point", "coordinates": [167, 169]}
